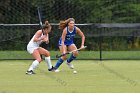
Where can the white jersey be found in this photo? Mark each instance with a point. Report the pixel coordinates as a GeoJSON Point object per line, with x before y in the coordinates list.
{"type": "Point", "coordinates": [33, 45]}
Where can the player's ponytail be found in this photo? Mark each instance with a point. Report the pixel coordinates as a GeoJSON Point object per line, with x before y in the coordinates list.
{"type": "Point", "coordinates": [46, 22]}
{"type": "Point", "coordinates": [63, 24]}
{"type": "Point", "coordinates": [46, 25]}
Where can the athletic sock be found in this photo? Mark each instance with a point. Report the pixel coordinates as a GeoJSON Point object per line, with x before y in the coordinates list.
{"type": "Point", "coordinates": [71, 58]}
{"type": "Point", "coordinates": [58, 63]}
{"type": "Point", "coordinates": [33, 65]}
{"type": "Point", "coordinates": [48, 61]}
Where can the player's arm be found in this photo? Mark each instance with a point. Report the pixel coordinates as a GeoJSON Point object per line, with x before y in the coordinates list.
{"type": "Point", "coordinates": [80, 33]}
{"type": "Point", "coordinates": [38, 36]}
{"type": "Point", "coordinates": [46, 39]}
{"type": "Point", "coordinates": [49, 29]}
{"type": "Point", "coordinates": [63, 39]}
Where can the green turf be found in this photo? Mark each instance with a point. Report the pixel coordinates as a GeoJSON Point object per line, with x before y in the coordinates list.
{"type": "Point", "coordinates": [82, 54]}
{"type": "Point", "coordinates": [92, 77]}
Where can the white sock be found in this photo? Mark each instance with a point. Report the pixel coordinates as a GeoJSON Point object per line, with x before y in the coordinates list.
{"type": "Point", "coordinates": [48, 61]}
{"type": "Point", "coordinates": [33, 65]}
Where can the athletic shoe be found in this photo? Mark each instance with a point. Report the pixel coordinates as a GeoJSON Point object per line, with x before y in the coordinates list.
{"type": "Point", "coordinates": [55, 70]}
{"type": "Point", "coordinates": [51, 69]}
{"type": "Point", "coordinates": [70, 65]}
{"type": "Point", "coordinates": [30, 72]}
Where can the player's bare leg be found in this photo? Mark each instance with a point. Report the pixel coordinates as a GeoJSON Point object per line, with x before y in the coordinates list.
{"type": "Point", "coordinates": [34, 65]}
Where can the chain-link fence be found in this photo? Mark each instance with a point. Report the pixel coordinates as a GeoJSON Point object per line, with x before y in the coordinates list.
{"type": "Point", "coordinates": [19, 21]}
{"type": "Point", "coordinates": [25, 11]}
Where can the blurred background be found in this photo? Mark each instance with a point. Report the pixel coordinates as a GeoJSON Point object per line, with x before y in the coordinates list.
{"type": "Point", "coordinates": [111, 27]}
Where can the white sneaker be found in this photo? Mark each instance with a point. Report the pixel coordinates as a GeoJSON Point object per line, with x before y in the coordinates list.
{"type": "Point", "coordinates": [70, 65]}
{"type": "Point", "coordinates": [56, 70]}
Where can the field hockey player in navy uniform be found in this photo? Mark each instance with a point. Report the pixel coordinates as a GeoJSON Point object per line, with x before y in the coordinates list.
{"type": "Point", "coordinates": [66, 41]}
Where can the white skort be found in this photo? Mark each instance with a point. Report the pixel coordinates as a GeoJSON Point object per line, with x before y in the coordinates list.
{"type": "Point", "coordinates": [31, 49]}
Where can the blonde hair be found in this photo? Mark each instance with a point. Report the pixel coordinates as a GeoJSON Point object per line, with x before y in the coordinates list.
{"type": "Point", "coordinates": [64, 23]}
{"type": "Point", "coordinates": [46, 25]}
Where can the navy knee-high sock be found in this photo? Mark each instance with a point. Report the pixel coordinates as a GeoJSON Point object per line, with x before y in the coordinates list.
{"type": "Point", "coordinates": [71, 58]}
{"type": "Point", "coordinates": [58, 63]}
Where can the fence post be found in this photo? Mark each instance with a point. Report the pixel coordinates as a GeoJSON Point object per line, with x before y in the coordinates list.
{"type": "Point", "coordinates": [100, 43]}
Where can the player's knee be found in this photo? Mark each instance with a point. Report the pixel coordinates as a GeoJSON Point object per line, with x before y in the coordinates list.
{"type": "Point", "coordinates": [39, 60]}
{"type": "Point", "coordinates": [64, 57]}
{"type": "Point", "coordinates": [75, 53]}
{"type": "Point", "coordinates": [47, 53]}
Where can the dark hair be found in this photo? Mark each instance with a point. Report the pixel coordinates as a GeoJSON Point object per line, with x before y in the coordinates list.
{"type": "Point", "coordinates": [46, 25]}
{"type": "Point", "coordinates": [64, 23]}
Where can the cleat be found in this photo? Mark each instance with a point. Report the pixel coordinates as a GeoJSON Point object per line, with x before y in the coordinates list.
{"type": "Point", "coordinates": [70, 65]}
{"type": "Point", "coordinates": [30, 72]}
{"type": "Point", "coordinates": [55, 70]}
{"type": "Point", "coordinates": [51, 69]}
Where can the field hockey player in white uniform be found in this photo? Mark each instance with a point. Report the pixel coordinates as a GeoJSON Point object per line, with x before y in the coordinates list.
{"type": "Point", "coordinates": [36, 51]}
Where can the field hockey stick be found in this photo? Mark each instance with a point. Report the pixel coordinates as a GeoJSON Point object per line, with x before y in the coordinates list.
{"type": "Point", "coordinates": [40, 21]}
{"type": "Point", "coordinates": [58, 56]}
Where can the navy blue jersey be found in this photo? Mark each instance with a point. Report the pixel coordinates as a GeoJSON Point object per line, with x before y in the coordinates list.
{"type": "Point", "coordinates": [69, 37]}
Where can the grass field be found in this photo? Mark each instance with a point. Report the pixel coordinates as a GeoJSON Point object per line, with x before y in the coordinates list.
{"type": "Point", "coordinates": [82, 54]}
{"type": "Point", "coordinates": [92, 77]}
